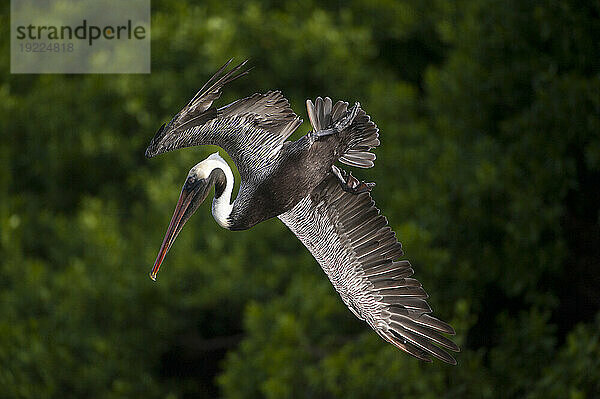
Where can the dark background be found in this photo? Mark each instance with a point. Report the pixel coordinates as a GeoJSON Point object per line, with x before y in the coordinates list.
{"type": "Point", "coordinates": [489, 172]}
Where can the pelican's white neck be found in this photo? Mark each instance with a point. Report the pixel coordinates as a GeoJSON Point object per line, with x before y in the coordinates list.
{"type": "Point", "coordinates": [221, 205]}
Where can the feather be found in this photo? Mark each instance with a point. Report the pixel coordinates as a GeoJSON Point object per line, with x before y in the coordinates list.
{"type": "Point", "coordinates": [424, 320]}
{"type": "Point", "coordinates": [396, 282]}
{"type": "Point", "coordinates": [424, 344]}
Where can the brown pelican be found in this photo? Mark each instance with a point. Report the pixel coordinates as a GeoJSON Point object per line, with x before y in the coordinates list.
{"type": "Point", "coordinates": [328, 209]}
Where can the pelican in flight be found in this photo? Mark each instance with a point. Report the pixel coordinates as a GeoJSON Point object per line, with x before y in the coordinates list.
{"type": "Point", "coordinates": [328, 209]}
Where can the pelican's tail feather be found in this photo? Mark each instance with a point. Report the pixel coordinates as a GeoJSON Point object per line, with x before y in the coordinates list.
{"type": "Point", "coordinates": [358, 134]}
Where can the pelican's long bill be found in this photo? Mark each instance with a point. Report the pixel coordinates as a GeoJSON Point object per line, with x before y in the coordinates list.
{"type": "Point", "coordinates": [193, 193]}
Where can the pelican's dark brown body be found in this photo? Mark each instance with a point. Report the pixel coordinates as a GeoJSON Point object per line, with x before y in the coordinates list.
{"type": "Point", "coordinates": [300, 166]}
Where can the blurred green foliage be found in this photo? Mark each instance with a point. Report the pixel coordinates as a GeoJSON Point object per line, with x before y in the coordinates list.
{"type": "Point", "coordinates": [489, 171]}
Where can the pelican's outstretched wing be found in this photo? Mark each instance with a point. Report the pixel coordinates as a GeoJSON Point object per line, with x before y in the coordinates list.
{"type": "Point", "coordinates": [358, 251]}
{"type": "Point", "coordinates": [251, 130]}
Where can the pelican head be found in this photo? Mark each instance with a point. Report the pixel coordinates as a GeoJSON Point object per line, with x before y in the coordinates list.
{"type": "Point", "coordinates": [210, 172]}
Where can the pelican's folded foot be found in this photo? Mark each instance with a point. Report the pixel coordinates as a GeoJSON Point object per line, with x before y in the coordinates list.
{"type": "Point", "coordinates": [322, 133]}
{"type": "Point", "coordinates": [350, 183]}
{"type": "Point", "coordinates": [338, 126]}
